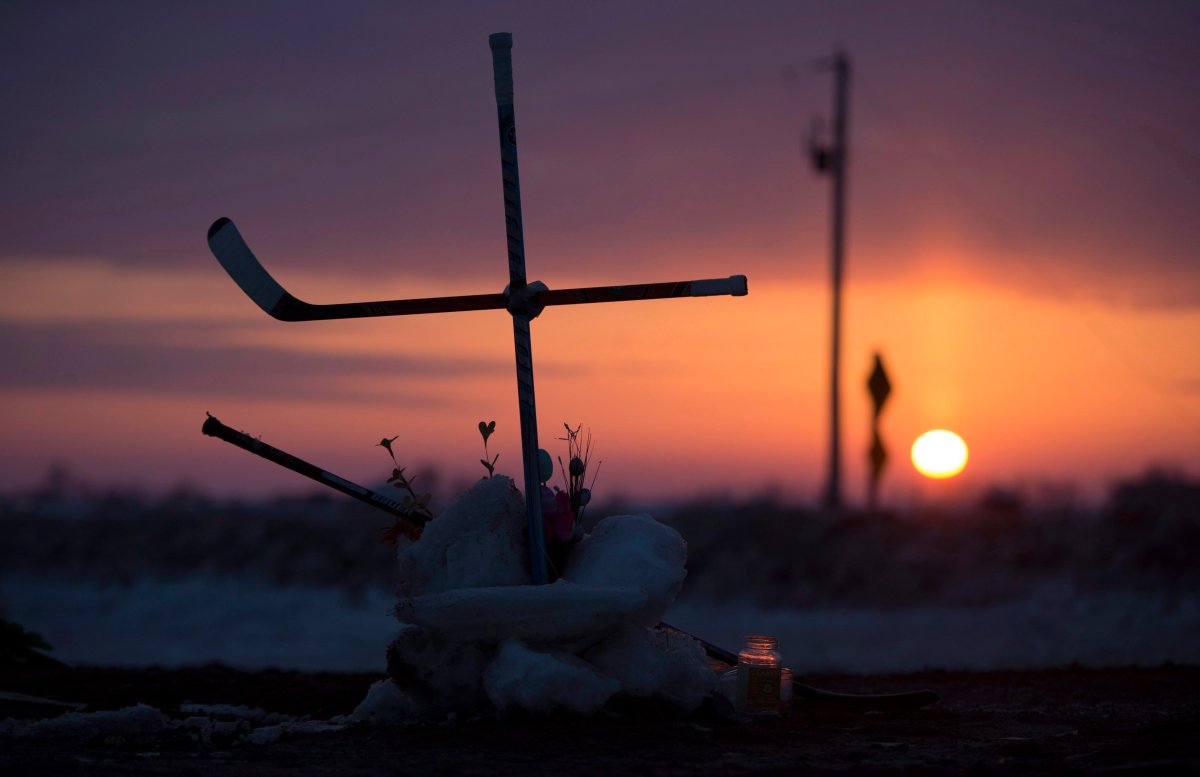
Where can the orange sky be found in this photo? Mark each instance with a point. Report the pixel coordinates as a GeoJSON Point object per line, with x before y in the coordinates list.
{"type": "Point", "coordinates": [719, 394]}
{"type": "Point", "coordinates": [1021, 240]}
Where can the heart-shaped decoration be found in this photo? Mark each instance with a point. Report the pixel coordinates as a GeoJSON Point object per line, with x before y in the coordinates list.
{"type": "Point", "coordinates": [486, 429]}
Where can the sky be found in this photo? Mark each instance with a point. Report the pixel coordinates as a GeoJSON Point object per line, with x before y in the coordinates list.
{"type": "Point", "coordinates": [1021, 244]}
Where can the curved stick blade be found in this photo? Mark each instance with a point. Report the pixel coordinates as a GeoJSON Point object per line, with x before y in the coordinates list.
{"type": "Point", "coordinates": [235, 256]}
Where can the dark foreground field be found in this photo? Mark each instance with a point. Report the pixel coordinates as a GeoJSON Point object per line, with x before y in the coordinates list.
{"type": "Point", "coordinates": [1064, 721]}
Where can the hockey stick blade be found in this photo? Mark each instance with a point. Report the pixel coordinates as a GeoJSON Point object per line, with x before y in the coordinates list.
{"type": "Point", "coordinates": [239, 261]}
{"type": "Point", "coordinates": [235, 256]}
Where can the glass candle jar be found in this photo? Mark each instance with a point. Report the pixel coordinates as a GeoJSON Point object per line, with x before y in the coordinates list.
{"type": "Point", "coordinates": [759, 674]}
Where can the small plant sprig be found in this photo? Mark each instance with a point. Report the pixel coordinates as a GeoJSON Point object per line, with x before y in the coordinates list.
{"type": "Point", "coordinates": [579, 451]}
{"type": "Point", "coordinates": [413, 503]}
{"type": "Point", "coordinates": [488, 461]}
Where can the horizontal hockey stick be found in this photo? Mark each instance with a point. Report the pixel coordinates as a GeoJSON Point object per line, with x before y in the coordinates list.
{"type": "Point", "coordinates": [214, 428]}
{"type": "Point", "coordinates": [239, 261]}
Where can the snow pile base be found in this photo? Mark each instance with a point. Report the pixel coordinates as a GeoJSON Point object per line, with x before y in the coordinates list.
{"type": "Point", "coordinates": [650, 663]}
{"type": "Point", "coordinates": [536, 681]}
{"type": "Point", "coordinates": [475, 633]}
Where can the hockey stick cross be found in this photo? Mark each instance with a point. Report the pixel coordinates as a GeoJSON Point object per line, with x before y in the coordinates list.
{"type": "Point", "coordinates": [522, 299]}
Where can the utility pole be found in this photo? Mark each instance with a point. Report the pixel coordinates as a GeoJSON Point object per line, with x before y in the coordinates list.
{"type": "Point", "coordinates": [831, 158]}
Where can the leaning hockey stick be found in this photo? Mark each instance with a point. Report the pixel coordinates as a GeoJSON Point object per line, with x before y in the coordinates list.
{"type": "Point", "coordinates": [235, 256]}
{"type": "Point", "coordinates": [214, 428]}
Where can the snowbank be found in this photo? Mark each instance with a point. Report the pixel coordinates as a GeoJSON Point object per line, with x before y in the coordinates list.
{"type": "Point", "coordinates": [245, 623]}
{"type": "Point", "coordinates": [249, 624]}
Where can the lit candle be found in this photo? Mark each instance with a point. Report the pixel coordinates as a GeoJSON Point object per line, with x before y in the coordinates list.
{"type": "Point", "coordinates": [759, 675]}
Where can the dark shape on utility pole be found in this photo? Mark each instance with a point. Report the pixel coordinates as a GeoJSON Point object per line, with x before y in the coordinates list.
{"type": "Point", "coordinates": [880, 388]}
{"type": "Point", "coordinates": [830, 157]}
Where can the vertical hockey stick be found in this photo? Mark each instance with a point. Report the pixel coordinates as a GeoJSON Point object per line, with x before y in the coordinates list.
{"type": "Point", "coordinates": [501, 44]}
{"type": "Point", "coordinates": [523, 300]}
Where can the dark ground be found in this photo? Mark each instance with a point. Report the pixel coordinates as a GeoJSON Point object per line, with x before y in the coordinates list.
{"type": "Point", "coordinates": [1062, 721]}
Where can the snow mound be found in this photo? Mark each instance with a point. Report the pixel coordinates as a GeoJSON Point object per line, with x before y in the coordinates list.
{"type": "Point", "coordinates": [475, 632]}
{"type": "Point", "coordinates": [536, 681]}
{"type": "Point", "coordinates": [478, 541]}
{"type": "Point", "coordinates": [632, 551]}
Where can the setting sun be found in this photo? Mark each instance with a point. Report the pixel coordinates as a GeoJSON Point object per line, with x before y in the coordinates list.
{"type": "Point", "coordinates": [939, 454]}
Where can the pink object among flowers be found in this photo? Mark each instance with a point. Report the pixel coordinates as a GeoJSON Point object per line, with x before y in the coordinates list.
{"type": "Point", "coordinates": [559, 521]}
